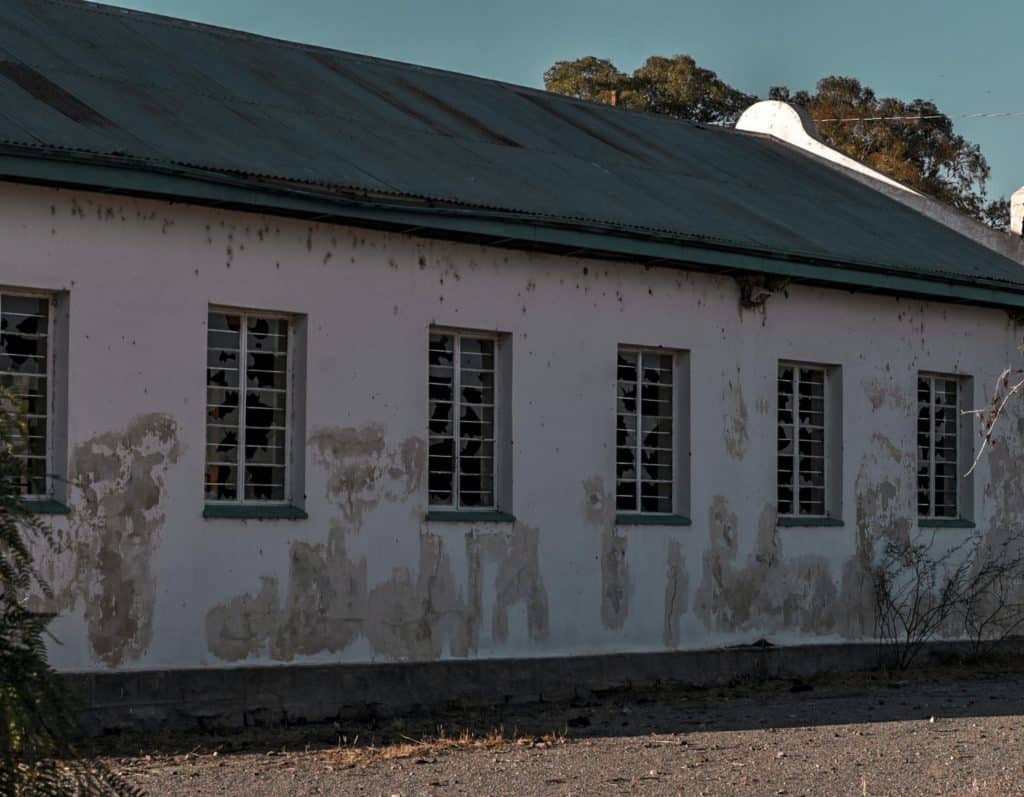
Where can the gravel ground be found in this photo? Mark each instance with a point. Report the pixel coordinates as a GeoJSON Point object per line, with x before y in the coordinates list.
{"type": "Point", "coordinates": [941, 733]}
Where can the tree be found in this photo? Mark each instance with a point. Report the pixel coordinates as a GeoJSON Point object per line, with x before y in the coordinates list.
{"type": "Point", "coordinates": [38, 755]}
{"type": "Point", "coordinates": [674, 86]}
{"type": "Point", "coordinates": [912, 142]}
{"type": "Point", "coordinates": [923, 152]}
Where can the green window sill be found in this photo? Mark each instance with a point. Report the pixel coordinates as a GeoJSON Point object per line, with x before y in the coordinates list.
{"type": "Point", "coordinates": [254, 512]}
{"type": "Point", "coordinates": [945, 523]}
{"type": "Point", "coordinates": [468, 516]}
{"type": "Point", "coordinates": [46, 506]}
{"type": "Point", "coordinates": [639, 519]}
{"type": "Point", "coordinates": [808, 522]}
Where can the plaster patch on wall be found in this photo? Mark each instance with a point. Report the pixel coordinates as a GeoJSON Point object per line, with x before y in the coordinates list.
{"type": "Point", "coordinates": [519, 578]}
{"type": "Point", "coordinates": [1003, 493]}
{"type": "Point", "coordinates": [240, 628]}
{"type": "Point", "coordinates": [884, 492]}
{"type": "Point", "coordinates": [883, 390]}
{"type": "Point", "coordinates": [734, 417]}
{"type": "Point", "coordinates": [768, 593]}
{"type": "Point", "coordinates": [362, 470]}
{"type": "Point", "coordinates": [117, 480]}
{"type": "Point", "coordinates": [677, 589]}
{"type": "Point", "coordinates": [420, 613]}
{"type": "Point", "coordinates": [416, 616]}
{"type": "Point", "coordinates": [599, 511]}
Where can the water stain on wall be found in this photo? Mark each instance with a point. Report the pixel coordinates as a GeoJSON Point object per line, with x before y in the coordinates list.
{"type": "Point", "coordinates": [419, 614]}
{"type": "Point", "coordinates": [118, 483]}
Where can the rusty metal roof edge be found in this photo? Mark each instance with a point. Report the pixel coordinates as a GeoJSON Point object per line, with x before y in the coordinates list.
{"type": "Point", "coordinates": [193, 186]}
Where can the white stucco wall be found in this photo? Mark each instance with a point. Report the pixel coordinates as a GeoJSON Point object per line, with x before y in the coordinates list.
{"type": "Point", "coordinates": [143, 581]}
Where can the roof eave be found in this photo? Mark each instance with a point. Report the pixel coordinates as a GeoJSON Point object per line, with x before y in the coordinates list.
{"type": "Point", "coordinates": [191, 186]}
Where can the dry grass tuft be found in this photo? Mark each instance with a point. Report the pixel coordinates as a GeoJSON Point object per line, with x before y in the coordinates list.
{"type": "Point", "coordinates": [427, 749]}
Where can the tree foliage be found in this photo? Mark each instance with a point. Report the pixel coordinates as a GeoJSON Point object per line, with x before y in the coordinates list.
{"type": "Point", "coordinates": [926, 153]}
{"type": "Point", "coordinates": [38, 755]}
{"type": "Point", "coordinates": [923, 151]}
{"type": "Point", "coordinates": [674, 86]}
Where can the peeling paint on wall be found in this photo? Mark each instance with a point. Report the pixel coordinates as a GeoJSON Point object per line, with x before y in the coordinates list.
{"type": "Point", "coordinates": [599, 510]}
{"type": "Point", "coordinates": [884, 390]}
{"type": "Point", "coordinates": [769, 593]}
{"type": "Point", "coordinates": [362, 471]}
{"type": "Point", "coordinates": [677, 589]}
{"type": "Point", "coordinates": [118, 484]}
{"type": "Point", "coordinates": [884, 492]}
{"type": "Point", "coordinates": [328, 602]}
{"type": "Point", "coordinates": [734, 417]}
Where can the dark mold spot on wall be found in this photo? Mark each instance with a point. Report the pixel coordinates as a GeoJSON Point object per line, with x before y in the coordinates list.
{"type": "Point", "coordinates": [114, 530]}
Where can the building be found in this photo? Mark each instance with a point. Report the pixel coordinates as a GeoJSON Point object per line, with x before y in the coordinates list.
{"type": "Point", "coordinates": [463, 312]}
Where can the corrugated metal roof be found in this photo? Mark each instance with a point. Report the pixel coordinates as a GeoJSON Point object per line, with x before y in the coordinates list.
{"type": "Point", "coordinates": [86, 78]}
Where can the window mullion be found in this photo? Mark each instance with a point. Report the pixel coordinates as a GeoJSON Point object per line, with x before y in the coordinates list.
{"type": "Point", "coordinates": [457, 412]}
{"type": "Point", "coordinates": [795, 403]}
{"type": "Point", "coordinates": [932, 508]}
{"type": "Point", "coordinates": [638, 498]}
{"type": "Point", "coordinates": [243, 381]}
{"type": "Point", "coordinates": [956, 447]}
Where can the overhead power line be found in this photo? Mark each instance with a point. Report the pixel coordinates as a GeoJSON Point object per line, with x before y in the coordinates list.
{"type": "Point", "coordinates": [985, 115]}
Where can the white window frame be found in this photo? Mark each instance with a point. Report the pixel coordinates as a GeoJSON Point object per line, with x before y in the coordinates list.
{"type": "Point", "coordinates": [832, 461]}
{"type": "Point", "coordinates": [679, 436]}
{"type": "Point", "coordinates": [959, 441]}
{"type": "Point", "coordinates": [499, 443]}
{"type": "Point", "coordinates": [291, 413]}
{"type": "Point", "coordinates": [51, 402]}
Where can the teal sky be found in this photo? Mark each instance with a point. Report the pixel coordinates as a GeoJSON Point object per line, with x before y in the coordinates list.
{"type": "Point", "coordinates": [966, 56]}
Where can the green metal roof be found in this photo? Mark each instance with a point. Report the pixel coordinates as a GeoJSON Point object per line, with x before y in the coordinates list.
{"type": "Point", "coordinates": [109, 99]}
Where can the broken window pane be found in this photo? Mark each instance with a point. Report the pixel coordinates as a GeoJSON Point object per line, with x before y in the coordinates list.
{"type": "Point", "coordinates": [24, 366]}
{"type": "Point", "coordinates": [801, 441]}
{"type": "Point", "coordinates": [938, 417]}
{"type": "Point", "coordinates": [644, 448]}
{"type": "Point", "coordinates": [251, 424]}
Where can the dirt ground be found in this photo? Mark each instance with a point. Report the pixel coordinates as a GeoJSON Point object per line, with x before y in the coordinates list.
{"type": "Point", "coordinates": [941, 732]}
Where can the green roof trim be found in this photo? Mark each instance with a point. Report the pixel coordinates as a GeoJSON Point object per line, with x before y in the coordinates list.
{"type": "Point", "coordinates": [100, 173]}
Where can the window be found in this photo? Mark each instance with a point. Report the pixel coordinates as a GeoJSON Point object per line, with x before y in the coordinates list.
{"type": "Point", "coordinates": [938, 419]}
{"type": "Point", "coordinates": [803, 477]}
{"type": "Point", "coordinates": [25, 370]}
{"type": "Point", "coordinates": [463, 426]}
{"type": "Point", "coordinates": [644, 433]}
{"type": "Point", "coordinates": [249, 407]}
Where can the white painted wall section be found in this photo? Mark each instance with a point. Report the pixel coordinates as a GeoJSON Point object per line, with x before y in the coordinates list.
{"type": "Point", "coordinates": [144, 581]}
